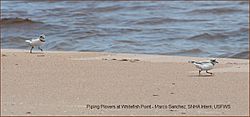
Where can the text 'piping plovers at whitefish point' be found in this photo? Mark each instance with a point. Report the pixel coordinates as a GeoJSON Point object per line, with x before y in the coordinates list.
{"type": "Point", "coordinates": [36, 42]}
{"type": "Point", "coordinates": [205, 66]}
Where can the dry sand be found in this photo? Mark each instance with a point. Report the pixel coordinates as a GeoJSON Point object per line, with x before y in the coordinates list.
{"type": "Point", "coordinates": [64, 83]}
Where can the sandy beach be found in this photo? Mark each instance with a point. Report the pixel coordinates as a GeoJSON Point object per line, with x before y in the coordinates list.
{"type": "Point", "coordinates": [95, 83]}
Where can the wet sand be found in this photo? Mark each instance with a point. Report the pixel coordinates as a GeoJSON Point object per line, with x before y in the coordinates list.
{"type": "Point", "coordinates": [64, 83]}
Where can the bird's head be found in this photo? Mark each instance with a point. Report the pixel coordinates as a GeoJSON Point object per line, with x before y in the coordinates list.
{"type": "Point", "coordinates": [42, 37]}
{"type": "Point", "coordinates": [213, 61]}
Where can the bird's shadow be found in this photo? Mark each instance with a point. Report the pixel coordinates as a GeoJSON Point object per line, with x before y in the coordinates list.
{"type": "Point", "coordinates": [36, 53]}
{"type": "Point", "coordinates": [202, 75]}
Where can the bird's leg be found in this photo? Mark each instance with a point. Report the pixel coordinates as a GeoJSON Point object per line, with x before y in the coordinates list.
{"type": "Point", "coordinates": [40, 48]}
{"type": "Point", "coordinates": [31, 49]}
{"type": "Point", "coordinates": [199, 72]}
{"type": "Point", "coordinates": [209, 72]}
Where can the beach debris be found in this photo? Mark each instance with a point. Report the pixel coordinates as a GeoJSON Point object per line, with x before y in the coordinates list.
{"type": "Point", "coordinates": [183, 113]}
{"type": "Point", "coordinates": [173, 110]}
{"type": "Point", "coordinates": [4, 55]}
{"type": "Point", "coordinates": [42, 55]}
{"type": "Point", "coordinates": [231, 63]}
{"type": "Point", "coordinates": [123, 59]}
{"type": "Point", "coordinates": [134, 60]}
{"type": "Point", "coordinates": [28, 112]}
{"type": "Point", "coordinates": [234, 63]}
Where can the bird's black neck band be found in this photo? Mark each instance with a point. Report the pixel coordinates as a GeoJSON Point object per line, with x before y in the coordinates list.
{"type": "Point", "coordinates": [42, 40]}
{"type": "Point", "coordinates": [213, 63]}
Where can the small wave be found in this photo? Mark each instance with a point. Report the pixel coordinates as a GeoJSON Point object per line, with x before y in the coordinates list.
{"type": "Point", "coordinates": [217, 11]}
{"type": "Point", "coordinates": [130, 30]}
{"type": "Point", "coordinates": [126, 41]}
{"type": "Point", "coordinates": [119, 31]}
{"type": "Point", "coordinates": [95, 33]}
{"type": "Point", "coordinates": [123, 30]}
{"type": "Point", "coordinates": [49, 1]}
{"type": "Point", "coordinates": [142, 7]}
{"type": "Point", "coordinates": [12, 21]}
{"type": "Point", "coordinates": [243, 2]}
{"type": "Point", "coordinates": [208, 36]}
{"type": "Point", "coordinates": [14, 42]}
{"type": "Point", "coordinates": [243, 30]}
{"type": "Point", "coordinates": [130, 42]}
{"type": "Point", "coordinates": [242, 55]}
{"type": "Point", "coordinates": [159, 20]}
{"type": "Point", "coordinates": [62, 46]}
{"type": "Point", "coordinates": [107, 9]}
{"type": "Point", "coordinates": [191, 51]}
{"type": "Point", "coordinates": [237, 33]}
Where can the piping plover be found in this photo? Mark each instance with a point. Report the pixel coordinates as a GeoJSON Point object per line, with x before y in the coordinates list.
{"type": "Point", "coordinates": [204, 66]}
{"type": "Point", "coordinates": [36, 42]}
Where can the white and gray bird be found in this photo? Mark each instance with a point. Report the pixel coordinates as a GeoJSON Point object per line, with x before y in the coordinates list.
{"type": "Point", "coordinates": [205, 66]}
{"type": "Point", "coordinates": [36, 42]}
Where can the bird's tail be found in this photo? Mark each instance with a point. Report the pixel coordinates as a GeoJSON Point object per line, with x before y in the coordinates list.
{"type": "Point", "coordinates": [27, 41]}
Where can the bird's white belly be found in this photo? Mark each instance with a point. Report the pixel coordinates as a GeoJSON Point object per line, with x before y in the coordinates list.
{"type": "Point", "coordinates": [204, 66]}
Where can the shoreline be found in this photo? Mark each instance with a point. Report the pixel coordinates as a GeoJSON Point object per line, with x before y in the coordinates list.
{"type": "Point", "coordinates": [140, 54]}
{"type": "Point", "coordinates": [65, 82]}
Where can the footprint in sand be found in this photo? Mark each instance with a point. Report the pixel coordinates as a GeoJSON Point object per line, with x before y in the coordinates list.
{"type": "Point", "coordinates": [4, 55]}
{"type": "Point", "coordinates": [28, 112]}
{"type": "Point", "coordinates": [130, 60]}
{"type": "Point", "coordinates": [155, 95]}
{"type": "Point", "coordinates": [41, 55]}
{"type": "Point", "coordinates": [183, 113]}
{"type": "Point", "coordinates": [173, 110]}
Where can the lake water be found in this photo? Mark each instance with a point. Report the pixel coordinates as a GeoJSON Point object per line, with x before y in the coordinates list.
{"type": "Point", "coordinates": [185, 28]}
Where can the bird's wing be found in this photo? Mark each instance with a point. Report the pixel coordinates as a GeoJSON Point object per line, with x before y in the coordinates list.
{"type": "Point", "coordinates": [197, 62]}
{"type": "Point", "coordinates": [201, 65]}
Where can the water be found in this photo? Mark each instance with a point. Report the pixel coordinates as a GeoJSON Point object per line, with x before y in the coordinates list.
{"type": "Point", "coordinates": [186, 28]}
